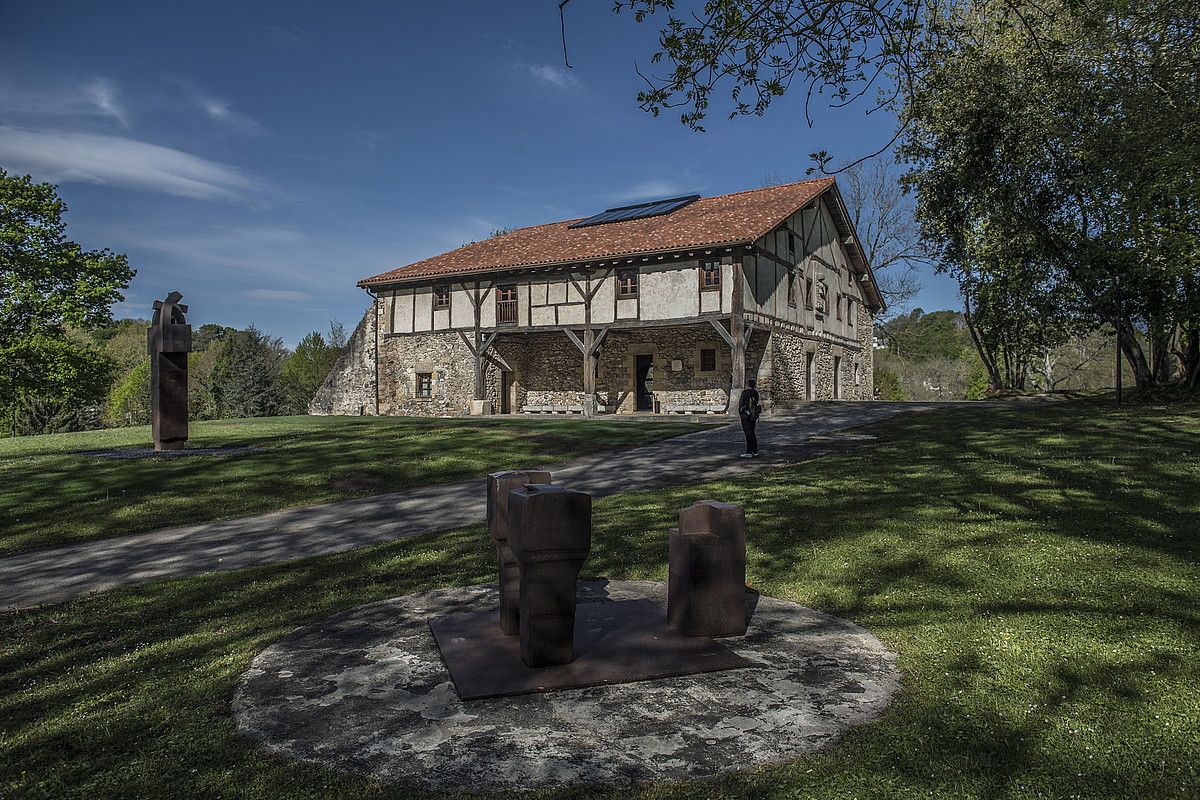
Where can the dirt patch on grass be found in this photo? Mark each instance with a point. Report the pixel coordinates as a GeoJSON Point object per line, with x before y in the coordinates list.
{"type": "Point", "coordinates": [360, 480]}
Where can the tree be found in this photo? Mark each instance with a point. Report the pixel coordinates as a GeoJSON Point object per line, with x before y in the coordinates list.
{"type": "Point", "coordinates": [1068, 169]}
{"type": "Point", "coordinates": [48, 282]}
{"type": "Point", "coordinates": [245, 378]}
{"type": "Point", "coordinates": [1075, 123]}
{"type": "Point", "coordinates": [307, 367]}
{"type": "Point", "coordinates": [838, 48]}
{"type": "Point", "coordinates": [888, 386]}
{"type": "Point", "coordinates": [51, 384]}
{"type": "Point", "coordinates": [47, 285]}
{"type": "Point", "coordinates": [918, 336]}
{"type": "Point", "coordinates": [129, 398]}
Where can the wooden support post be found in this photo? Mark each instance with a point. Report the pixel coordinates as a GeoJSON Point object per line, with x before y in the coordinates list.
{"type": "Point", "coordinates": [478, 345]}
{"type": "Point", "coordinates": [480, 388]}
{"type": "Point", "coordinates": [737, 333]}
{"type": "Point", "coordinates": [589, 359]}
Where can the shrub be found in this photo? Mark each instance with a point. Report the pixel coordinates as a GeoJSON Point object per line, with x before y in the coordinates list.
{"type": "Point", "coordinates": [129, 400]}
{"type": "Point", "coordinates": [888, 386]}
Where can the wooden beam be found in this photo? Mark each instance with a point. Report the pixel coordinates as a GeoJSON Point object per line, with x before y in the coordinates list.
{"type": "Point", "coordinates": [571, 335]}
{"type": "Point", "coordinates": [592, 292]}
{"type": "Point", "coordinates": [487, 342]}
{"type": "Point", "coordinates": [467, 341]}
{"type": "Point", "coordinates": [598, 340]}
{"type": "Point", "coordinates": [737, 333]}
{"type": "Point", "coordinates": [719, 328]}
{"type": "Point", "coordinates": [480, 387]}
{"type": "Point", "coordinates": [582, 292]}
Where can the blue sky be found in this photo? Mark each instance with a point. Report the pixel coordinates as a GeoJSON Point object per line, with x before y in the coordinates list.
{"type": "Point", "coordinates": [262, 159]}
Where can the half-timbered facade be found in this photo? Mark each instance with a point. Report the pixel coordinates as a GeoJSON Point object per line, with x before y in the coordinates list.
{"type": "Point", "coordinates": [643, 310]}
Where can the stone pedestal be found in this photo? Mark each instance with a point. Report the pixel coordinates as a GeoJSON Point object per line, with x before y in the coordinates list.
{"type": "Point", "coordinates": [550, 533]}
{"type": "Point", "coordinates": [590, 405]}
{"type": "Point", "coordinates": [499, 485]}
{"type": "Point", "coordinates": [707, 584]}
{"type": "Point", "coordinates": [481, 408]}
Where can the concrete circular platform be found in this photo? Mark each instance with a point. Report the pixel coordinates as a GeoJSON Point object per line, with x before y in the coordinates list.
{"type": "Point", "coordinates": [366, 691]}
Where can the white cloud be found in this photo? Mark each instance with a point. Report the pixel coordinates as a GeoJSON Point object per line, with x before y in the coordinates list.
{"type": "Point", "coordinates": [647, 190]}
{"type": "Point", "coordinates": [220, 111]}
{"type": "Point", "coordinates": [276, 295]}
{"type": "Point", "coordinates": [98, 97]}
{"type": "Point", "coordinates": [246, 254]}
{"type": "Point", "coordinates": [103, 94]}
{"type": "Point", "coordinates": [558, 77]}
{"type": "Point", "coordinates": [117, 160]}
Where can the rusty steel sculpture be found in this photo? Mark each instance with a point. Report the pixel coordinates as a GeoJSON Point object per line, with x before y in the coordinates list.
{"type": "Point", "coordinates": [550, 533]}
{"type": "Point", "coordinates": [499, 486]}
{"type": "Point", "coordinates": [170, 341]}
{"type": "Point", "coordinates": [706, 590]}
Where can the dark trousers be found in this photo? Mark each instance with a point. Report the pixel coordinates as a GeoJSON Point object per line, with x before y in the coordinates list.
{"type": "Point", "coordinates": [748, 424]}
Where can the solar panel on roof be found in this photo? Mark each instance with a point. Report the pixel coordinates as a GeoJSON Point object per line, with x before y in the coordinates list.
{"type": "Point", "coordinates": [654, 208]}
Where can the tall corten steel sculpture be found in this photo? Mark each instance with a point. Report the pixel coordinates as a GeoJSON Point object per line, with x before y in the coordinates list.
{"type": "Point", "coordinates": [550, 533]}
{"type": "Point", "coordinates": [499, 486]}
{"type": "Point", "coordinates": [170, 339]}
{"type": "Point", "coordinates": [706, 590]}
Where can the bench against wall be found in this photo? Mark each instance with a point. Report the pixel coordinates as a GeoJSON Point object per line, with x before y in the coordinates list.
{"type": "Point", "coordinates": [694, 409]}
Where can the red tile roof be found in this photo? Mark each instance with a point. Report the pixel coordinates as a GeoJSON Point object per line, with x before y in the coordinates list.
{"type": "Point", "coordinates": [721, 220]}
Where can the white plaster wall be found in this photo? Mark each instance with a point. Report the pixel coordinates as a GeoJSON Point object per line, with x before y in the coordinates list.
{"type": "Point", "coordinates": [669, 293]}
{"type": "Point", "coordinates": [462, 309]}
{"type": "Point", "coordinates": [571, 314]}
{"type": "Point", "coordinates": [422, 309]}
{"type": "Point", "coordinates": [487, 316]}
{"type": "Point", "coordinates": [403, 314]}
{"type": "Point", "coordinates": [542, 315]}
{"type": "Point", "coordinates": [602, 305]}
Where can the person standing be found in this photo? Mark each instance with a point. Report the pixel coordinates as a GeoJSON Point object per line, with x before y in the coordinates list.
{"type": "Point", "coordinates": [749, 408]}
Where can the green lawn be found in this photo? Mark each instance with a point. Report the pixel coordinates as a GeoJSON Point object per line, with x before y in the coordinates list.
{"type": "Point", "coordinates": [51, 495]}
{"type": "Point", "coordinates": [1035, 567]}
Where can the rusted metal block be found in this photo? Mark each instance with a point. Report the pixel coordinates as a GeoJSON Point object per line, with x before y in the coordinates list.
{"type": "Point", "coordinates": [550, 533]}
{"type": "Point", "coordinates": [169, 339]}
{"type": "Point", "coordinates": [499, 485]}
{"type": "Point", "coordinates": [706, 590]}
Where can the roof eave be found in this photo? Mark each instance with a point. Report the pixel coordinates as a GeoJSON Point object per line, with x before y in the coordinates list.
{"type": "Point", "coordinates": [592, 263]}
{"type": "Point", "coordinates": [856, 251]}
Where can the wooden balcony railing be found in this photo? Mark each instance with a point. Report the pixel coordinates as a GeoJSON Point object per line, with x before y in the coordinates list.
{"type": "Point", "coordinates": [506, 312]}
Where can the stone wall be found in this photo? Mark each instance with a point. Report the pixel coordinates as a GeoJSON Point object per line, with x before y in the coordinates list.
{"type": "Point", "coordinates": [865, 327]}
{"type": "Point", "coordinates": [678, 379]}
{"type": "Point", "coordinates": [350, 386]}
{"type": "Point", "coordinates": [443, 356]}
{"type": "Point", "coordinates": [547, 369]}
{"type": "Point", "coordinates": [789, 356]}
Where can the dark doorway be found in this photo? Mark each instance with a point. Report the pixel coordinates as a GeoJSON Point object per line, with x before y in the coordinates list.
{"type": "Point", "coordinates": [506, 392]}
{"type": "Point", "coordinates": [643, 365]}
{"type": "Point", "coordinates": [837, 377]}
{"type": "Point", "coordinates": [808, 376]}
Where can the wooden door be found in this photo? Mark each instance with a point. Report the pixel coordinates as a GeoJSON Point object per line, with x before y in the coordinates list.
{"type": "Point", "coordinates": [506, 392]}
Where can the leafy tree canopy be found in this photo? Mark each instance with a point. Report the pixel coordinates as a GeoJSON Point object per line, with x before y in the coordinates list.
{"type": "Point", "coordinates": [48, 282]}
{"type": "Point", "coordinates": [245, 380]}
{"type": "Point", "coordinates": [306, 369]}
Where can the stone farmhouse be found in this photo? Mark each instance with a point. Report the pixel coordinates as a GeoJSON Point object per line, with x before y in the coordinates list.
{"type": "Point", "coordinates": [663, 307]}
